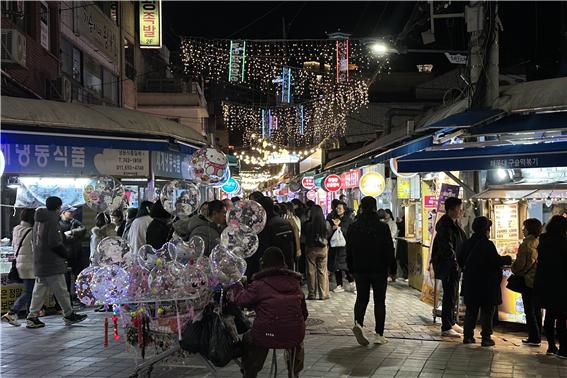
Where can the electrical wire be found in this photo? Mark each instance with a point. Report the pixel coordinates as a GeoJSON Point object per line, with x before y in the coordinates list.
{"type": "Point", "coordinates": [255, 20]}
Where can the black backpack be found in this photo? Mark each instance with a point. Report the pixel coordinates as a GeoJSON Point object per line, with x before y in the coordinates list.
{"type": "Point", "coordinates": [281, 236]}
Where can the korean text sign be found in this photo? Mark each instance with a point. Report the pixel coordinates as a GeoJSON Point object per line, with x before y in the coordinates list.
{"type": "Point", "coordinates": [150, 24]}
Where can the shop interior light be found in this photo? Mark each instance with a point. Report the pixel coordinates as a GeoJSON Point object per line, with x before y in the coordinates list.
{"type": "Point", "coordinates": [379, 48]}
{"type": "Point", "coordinates": [64, 181]}
{"type": "Point", "coordinates": [13, 182]}
{"type": "Point", "coordinates": [502, 174]}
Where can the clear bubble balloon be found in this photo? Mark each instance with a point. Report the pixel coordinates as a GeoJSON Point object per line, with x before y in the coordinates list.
{"type": "Point", "coordinates": [162, 281]}
{"type": "Point", "coordinates": [187, 253]}
{"type": "Point", "coordinates": [83, 285]}
{"type": "Point", "coordinates": [209, 165]}
{"type": "Point", "coordinates": [248, 213]}
{"type": "Point", "coordinates": [180, 198]}
{"type": "Point", "coordinates": [112, 250]}
{"type": "Point", "coordinates": [138, 288]}
{"type": "Point", "coordinates": [226, 266]}
{"type": "Point", "coordinates": [192, 283]}
{"type": "Point", "coordinates": [146, 257]}
{"type": "Point", "coordinates": [105, 194]}
{"type": "Point", "coordinates": [240, 240]}
{"type": "Point", "coordinates": [226, 176]}
{"type": "Point", "coordinates": [110, 284]}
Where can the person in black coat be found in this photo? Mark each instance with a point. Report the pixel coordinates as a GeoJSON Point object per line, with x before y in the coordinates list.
{"type": "Point", "coordinates": [482, 274]}
{"type": "Point", "coordinates": [449, 238]}
{"type": "Point", "coordinates": [370, 256]}
{"type": "Point", "coordinates": [550, 284]}
{"type": "Point", "coordinates": [160, 228]}
{"type": "Point", "coordinates": [341, 220]}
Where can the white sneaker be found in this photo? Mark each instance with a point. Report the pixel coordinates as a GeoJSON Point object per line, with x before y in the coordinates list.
{"type": "Point", "coordinates": [451, 333]}
{"type": "Point", "coordinates": [359, 334]}
{"type": "Point", "coordinates": [379, 339]}
{"type": "Point", "coordinates": [11, 319]}
{"type": "Point", "coordinates": [338, 289]}
{"type": "Point", "coordinates": [349, 287]}
{"type": "Point", "coordinates": [457, 328]}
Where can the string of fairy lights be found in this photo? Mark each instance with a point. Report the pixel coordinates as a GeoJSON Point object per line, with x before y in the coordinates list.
{"type": "Point", "coordinates": [251, 180]}
{"type": "Point", "coordinates": [270, 154]}
{"type": "Point", "coordinates": [311, 103]}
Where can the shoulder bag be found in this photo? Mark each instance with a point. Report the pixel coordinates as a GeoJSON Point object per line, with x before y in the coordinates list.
{"type": "Point", "coordinates": [518, 283]}
{"type": "Point", "coordinates": [13, 275]}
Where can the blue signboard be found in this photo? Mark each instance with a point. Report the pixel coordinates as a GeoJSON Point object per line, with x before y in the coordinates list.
{"type": "Point", "coordinates": [172, 165]}
{"type": "Point", "coordinates": [231, 186]}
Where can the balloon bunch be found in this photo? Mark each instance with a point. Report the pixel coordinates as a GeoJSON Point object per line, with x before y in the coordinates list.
{"type": "Point", "coordinates": [104, 194]}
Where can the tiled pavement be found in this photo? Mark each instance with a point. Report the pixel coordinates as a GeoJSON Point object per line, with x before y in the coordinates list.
{"type": "Point", "coordinates": [415, 349]}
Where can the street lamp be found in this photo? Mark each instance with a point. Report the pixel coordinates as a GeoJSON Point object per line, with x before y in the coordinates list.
{"type": "Point", "coordinates": [380, 48]}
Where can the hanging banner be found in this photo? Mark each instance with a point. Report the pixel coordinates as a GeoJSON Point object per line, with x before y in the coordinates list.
{"type": "Point", "coordinates": [342, 60]}
{"type": "Point", "coordinates": [237, 61]}
{"type": "Point", "coordinates": [150, 24]}
{"type": "Point", "coordinates": [286, 85]}
{"type": "Point", "coordinates": [169, 164]}
{"type": "Point", "coordinates": [350, 179]}
{"type": "Point", "coordinates": [301, 114]}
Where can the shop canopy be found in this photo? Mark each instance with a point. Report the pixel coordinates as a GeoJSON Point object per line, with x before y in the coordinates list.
{"type": "Point", "coordinates": [105, 123]}
{"type": "Point", "coordinates": [467, 119]}
{"type": "Point", "coordinates": [539, 155]}
{"type": "Point", "coordinates": [405, 149]}
{"type": "Point", "coordinates": [554, 191]}
{"type": "Point", "coordinates": [523, 123]}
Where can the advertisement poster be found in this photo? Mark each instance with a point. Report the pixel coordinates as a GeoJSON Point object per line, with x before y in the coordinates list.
{"type": "Point", "coordinates": [404, 188]}
{"type": "Point", "coordinates": [506, 222]}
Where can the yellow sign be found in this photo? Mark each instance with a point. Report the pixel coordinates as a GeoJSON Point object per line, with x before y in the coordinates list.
{"type": "Point", "coordinates": [150, 24]}
{"type": "Point", "coordinates": [372, 184]}
{"type": "Point", "coordinates": [404, 188]}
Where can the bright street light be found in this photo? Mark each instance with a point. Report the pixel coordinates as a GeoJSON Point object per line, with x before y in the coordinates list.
{"type": "Point", "coordinates": [379, 48]}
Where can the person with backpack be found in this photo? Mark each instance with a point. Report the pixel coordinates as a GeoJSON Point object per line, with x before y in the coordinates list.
{"type": "Point", "coordinates": [317, 231]}
{"type": "Point", "coordinates": [160, 228]}
{"type": "Point", "coordinates": [22, 244]}
{"type": "Point", "coordinates": [370, 256]}
{"type": "Point", "coordinates": [279, 233]}
{"type": "Point", "coordinates": [281, 312]}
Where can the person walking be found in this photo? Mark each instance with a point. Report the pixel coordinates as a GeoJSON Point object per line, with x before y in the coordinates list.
{"type": "Point", "coordinates": [103, 228]}
{"type": "Point", "coordinates": [550, 283]}
{"type": "Point", "coordinates": [50, 264]}
{"type": "Point", "coordinates": [482, 274]}
{"type": "Point", "coordinates": [281, 312]}
{"type": "Point", "coordinates": [117, 218]}
{"type": "Point", "coordinates": [525, 266]}
{"type": "Point", "coordinates": [370, 256]}
{"type": "Point", "coordinates": [74, 233]}
{"type": "Point", "coordinates": [139, 227]}
{"type": "Point", "coordinates": [317, 231]}
{"type": "Point", "coordinates": [449, 238]}
{"type": "Point", "coordinates": [160, 228]}
{"type": "Point", "coordinates": [208, 228]}
{"type": "Point", "coordinates": [131, 214]}
{"type": "Point", "coordinates": [295, 223]}
{"type": "Point", "coordinates": [341, 221]}
{"type": "Point", "coordinates": [22, 244]}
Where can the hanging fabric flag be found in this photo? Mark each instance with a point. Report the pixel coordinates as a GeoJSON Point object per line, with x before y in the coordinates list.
{"type": "Point", "coordinates": [237, 61]}
{"type": "Point", "coordinates": [342, 60]}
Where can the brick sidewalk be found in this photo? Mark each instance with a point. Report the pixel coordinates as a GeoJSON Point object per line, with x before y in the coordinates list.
{"type": "Point", "coordinates": [415, 348]}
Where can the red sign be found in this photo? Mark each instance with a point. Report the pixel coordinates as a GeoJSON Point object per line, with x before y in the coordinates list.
{"type": "Point", "coordinates": [430, 201]}
{"type": "Point", "coordinates": [350, 179]}
{"type": "Point", "coordinates": [312, 195]}
{"type": "Point", "coordinates": [332, 183]}
{"type": "Point", "coordinates": [308, 182]}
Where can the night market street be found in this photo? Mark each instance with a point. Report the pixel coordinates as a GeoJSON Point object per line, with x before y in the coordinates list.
{"type": "Point", "coordinates": [415, 348]}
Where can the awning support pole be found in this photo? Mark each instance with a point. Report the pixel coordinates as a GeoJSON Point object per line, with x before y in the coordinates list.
{"type": "Point", "coordinates": [461, 183]}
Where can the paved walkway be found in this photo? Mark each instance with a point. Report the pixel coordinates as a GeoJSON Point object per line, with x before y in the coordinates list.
{"type": "Point", "coordinates": [415, 348]}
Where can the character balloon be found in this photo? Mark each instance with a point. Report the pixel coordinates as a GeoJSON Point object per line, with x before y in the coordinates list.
{"type": "Point", "coordinates": [226, 266]}
{"type": "Point", "coordinates": [110, 284]}
{"type": "Point", "coordinates": [83, 285]}
{"type": "Point", "coordinates": [248, 213]}
{"type": "Point", "coordinates": [112, 250]}
{"type": "Point", "coordinates": [104, 194]}
{"type": "Point", "coordinates": [209, 165]}
{"type": "Point", "coordinates": [239, 240]}
{"type": "Point", "coordinates": [180, 198]}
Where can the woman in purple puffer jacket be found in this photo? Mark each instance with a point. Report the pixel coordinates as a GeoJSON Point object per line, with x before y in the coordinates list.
{"type": "Point", "coordinates": [276, 296]}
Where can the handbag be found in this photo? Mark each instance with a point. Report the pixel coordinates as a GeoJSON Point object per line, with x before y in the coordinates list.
{"type": "Point", "coordinates": [518, 283]}
{"type": "Point", "coordinates": [338, 239]}
{"type": "Point", "coordinates": [13, 275]}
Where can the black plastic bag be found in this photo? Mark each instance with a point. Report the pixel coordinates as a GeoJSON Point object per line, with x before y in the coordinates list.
{"type": "Point", "coordinates": [221, 344]}
{"type": "Point", "coordinates": [191, 337]}
{"type": "Point", "coordinates": [242, 323]}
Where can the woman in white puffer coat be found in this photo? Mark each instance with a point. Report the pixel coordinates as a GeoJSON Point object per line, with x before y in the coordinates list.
{"type": "Point", "coordinates": [22, 244]}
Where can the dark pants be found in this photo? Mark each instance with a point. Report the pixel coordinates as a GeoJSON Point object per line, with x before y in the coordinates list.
{"type": "Point", "coordinates": [25, 298]}
{"type": "Point", "coordinates": [554, 326]}
{"type": "Point", "coordinates": [533, 315]}
{"type": "Point", "coordinates": [486, 317]}
{"type": "Point", "coordinates": [339, 277]}
{"type": "Point", "coordinates": [450, 295]}
{"type": "Point", "coordinates": [364, 282]}
{"type": "Point", "coordinates": [402, 258]}
{"type": "Point", "coordinates": [254, 357]}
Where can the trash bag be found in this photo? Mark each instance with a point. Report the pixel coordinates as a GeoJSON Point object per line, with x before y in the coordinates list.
{"type": "Point", "coordinates": [191, 337]}
{"type": "Point", "coordinates": [243, 325]}
{"type": "Point", "coordinates": [221, 344]}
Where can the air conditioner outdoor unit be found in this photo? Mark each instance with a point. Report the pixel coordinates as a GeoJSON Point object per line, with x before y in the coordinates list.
{"type": "Point", "coordinates": [13, 47]}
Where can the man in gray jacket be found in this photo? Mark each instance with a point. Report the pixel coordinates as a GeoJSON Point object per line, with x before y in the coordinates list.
{"type": "Point", "coordinates": [50, 264]}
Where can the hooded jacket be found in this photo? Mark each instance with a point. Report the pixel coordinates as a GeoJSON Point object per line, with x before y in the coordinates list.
{"type": "Point", "coordinates": [448, 240]}
{"type": "Point", "coordinates": [24, 261]}
{"type": "Point", "coordinates": [551, 278]}
{"type": "Point", "coordinates": [49, 254]}
{"type": "Point", "coordinates": [99, 233]}
{"type": "Point", "coordinates": [159, 229]}
{"type": "Point", "coordinates": [198, 225]}
{"type": "Point", "coordinates": [73, 240]}
{"type": "Point", "coordinates": [370, 249]}
{"type": "Point", "coordinates": [280, 307]}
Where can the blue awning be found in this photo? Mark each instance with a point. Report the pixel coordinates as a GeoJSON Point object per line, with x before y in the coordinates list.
{"type": "Point", "coordinates": [517, 123]}
{"type": "Point", "coordinates": [404, 149]}
{"type": "Point", "coordinates": [490, 157]}
{"type": "Point", "coordinates": [467, 119]}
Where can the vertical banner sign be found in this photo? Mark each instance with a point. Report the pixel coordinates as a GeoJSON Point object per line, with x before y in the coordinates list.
{"type": "Point", "coordinates": [237, 61]}
{"type": "Point", "coordinates": [264, 124]}
{"type": "Point", "coordinates": [286, 85]}
{"type": "Point", "coordinates": [269, 123]}
{"type": "Point", "coordinates": [150, 24]}
{"type": "Point", "coordinates": [342, 60]}
{"type": "Point", "coordinates": [44, 25]}
{"type": "Point", "coordinates": [301, 120]}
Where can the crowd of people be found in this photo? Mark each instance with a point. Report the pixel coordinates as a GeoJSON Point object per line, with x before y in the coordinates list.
{"type": "Point", "coordinates": [299, 245]}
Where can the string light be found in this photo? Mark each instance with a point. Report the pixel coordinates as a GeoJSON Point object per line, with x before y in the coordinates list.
{"type": "Point", "coordinates": [252, 180]}
{"type": "Point", "coordinates": [319, 105]}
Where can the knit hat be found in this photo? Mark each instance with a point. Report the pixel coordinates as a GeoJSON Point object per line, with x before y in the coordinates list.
{"type": "Point", "coordinates": [273, 258]}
